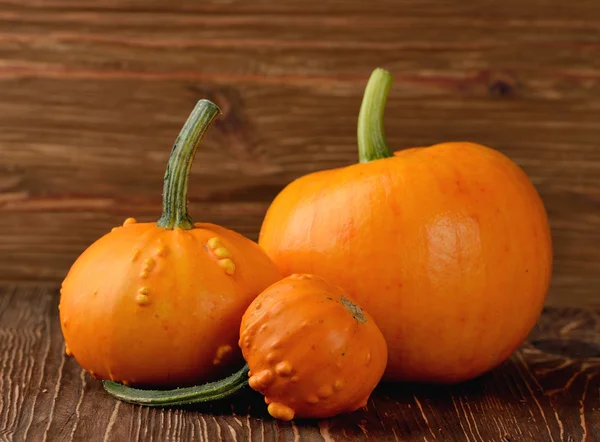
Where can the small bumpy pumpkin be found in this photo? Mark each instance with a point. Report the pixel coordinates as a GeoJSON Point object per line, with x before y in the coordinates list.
{"type": "Point", "coordinates": [448, 246]}
{"type": "Point", "coordinates": [160, 303]}
{"type": "Point", "coordinates": [311, 351]}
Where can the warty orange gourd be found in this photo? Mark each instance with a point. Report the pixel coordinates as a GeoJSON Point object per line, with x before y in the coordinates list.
{"type": "Point", "coordinates": [160, 304]}
{"type": "Point", "coordinates": [311, 350]}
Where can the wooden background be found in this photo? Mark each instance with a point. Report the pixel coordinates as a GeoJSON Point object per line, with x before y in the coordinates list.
{"type": "Point", "coordinates": [93, 93]}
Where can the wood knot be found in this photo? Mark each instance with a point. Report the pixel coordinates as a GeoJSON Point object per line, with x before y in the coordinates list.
{"type": "Point", "coordinates": [501, 85]}
{"type": "Point", "coordinates": [234, 125]}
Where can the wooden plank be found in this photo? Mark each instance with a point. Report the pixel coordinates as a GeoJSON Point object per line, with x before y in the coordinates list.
{"type": "Point", "coordinates": [515, 9]}
{"type": "Point", "coordinates": [547, 391]}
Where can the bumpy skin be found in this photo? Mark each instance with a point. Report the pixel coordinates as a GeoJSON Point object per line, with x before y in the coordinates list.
{"type": "Point", "coordinates": [311, 352]}
{"type": "Point", "coordinates": [154, 307]}
{"type": "Point", "coordinates": [448, 247]}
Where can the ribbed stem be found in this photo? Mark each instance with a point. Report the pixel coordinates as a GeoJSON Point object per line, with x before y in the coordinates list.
{"type": "Point", "coordinates": [180, 396]}
{"type": "Point", "coordinates": [371, 136]}
{"type": "Point", "coordinates": [175, 211]}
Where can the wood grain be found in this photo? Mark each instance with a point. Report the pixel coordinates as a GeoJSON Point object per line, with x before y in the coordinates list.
{"type": "Point", "coordinates": [95, 91]}
{"type": "Point", "coordinates": [548, 391]}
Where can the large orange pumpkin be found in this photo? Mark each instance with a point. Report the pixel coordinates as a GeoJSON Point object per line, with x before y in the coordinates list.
{"type": "Point", "coordinates": [448, 247]}
{"type": "Point", "coordinates": [311, 351]}
{"type": "Point", "coordinates": [161, 303]}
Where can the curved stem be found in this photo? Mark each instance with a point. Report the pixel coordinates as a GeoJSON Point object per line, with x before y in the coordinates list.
{"type": "Point", "coordinates": [180, 396]}
{"type": "Point", "coordinates": [371, 136]}
{"type": "Point", "coordinates": [175, 214]}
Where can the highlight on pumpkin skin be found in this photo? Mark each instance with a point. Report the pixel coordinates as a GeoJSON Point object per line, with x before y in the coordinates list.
{"type": "Point", "coordinates": [148, 304]}
{"type": "Point", "coordinates": [306, 342]}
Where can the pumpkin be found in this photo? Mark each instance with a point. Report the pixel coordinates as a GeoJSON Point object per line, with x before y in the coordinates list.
{"type": "Point", "coordinates": [311, 350]}
{"type": "Point", "coordinates": [160, 303]}
{"type": "Point", "coordinates": [447, 246]}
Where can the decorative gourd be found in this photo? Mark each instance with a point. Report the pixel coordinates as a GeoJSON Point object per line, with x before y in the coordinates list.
{"type": "Point", "coordinates": [311, 351]}
{"type": "Point", "coordinates": [448, 247]}
{"type": "Point", "coordinates": [160, 303]}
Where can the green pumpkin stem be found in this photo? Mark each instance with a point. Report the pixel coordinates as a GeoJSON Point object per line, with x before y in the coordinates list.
{"type": "Point", "coordinates": [371, 136]}
{"type": "Point", "coordinates": [175, 210]}
{"type": "Point", "coordinates": [180, 396]}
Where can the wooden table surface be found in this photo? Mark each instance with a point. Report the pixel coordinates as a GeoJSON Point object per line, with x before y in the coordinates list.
{"type": "Point", "coordinates": [548, 391]}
